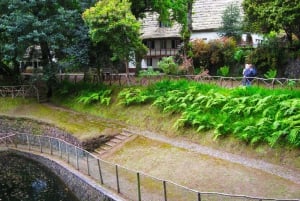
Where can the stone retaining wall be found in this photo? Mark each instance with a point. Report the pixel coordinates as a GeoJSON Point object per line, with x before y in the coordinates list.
{"type": "Point", "coordinates": [25, 125]}
{"type": "Point", "coordinates": [82, 187]}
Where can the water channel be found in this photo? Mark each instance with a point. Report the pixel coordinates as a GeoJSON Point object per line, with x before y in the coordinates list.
{"type": "Point", "coordinates": [26, 180]}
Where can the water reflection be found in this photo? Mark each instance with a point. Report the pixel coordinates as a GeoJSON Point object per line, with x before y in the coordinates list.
{"type": "Point", "coordinates": [26, 180]}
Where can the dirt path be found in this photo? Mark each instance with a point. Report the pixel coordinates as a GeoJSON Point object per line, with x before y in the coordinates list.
{"type": "Point", "coordinates": [283, 172]}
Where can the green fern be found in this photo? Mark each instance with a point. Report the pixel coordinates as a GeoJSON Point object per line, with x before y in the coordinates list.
{"type": "Point", "coordinates": [294, 136]}
{"type": "Point", "coordinates": [88, 98]}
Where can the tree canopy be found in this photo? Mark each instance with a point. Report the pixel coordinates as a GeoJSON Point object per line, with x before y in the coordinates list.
{"type": "Point", "coordinates": [231, 22]}
{"type": "Point", "coordinates": [53, 25]}
{"type": "Point", "coordinates": [273, 15]}
{"type": "Point", "coordinates": [111, 22]}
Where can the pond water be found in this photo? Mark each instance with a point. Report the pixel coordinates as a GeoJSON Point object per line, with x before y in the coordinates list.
{"type": "Point", "coordinates": [26, 180]}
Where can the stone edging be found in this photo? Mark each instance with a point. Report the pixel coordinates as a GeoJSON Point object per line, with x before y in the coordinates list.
{"type": "Point", "coordinates": [9, 124]}
{"type": "Point", "coordinates": [82, 187]}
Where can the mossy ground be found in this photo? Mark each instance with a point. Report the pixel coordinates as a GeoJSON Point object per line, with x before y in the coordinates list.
{"type": "Point", "coordinates": [80, 125]}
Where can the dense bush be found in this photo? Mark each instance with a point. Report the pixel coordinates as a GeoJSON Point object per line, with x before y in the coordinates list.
{"type": "Point", "coordinates": [254, 115]}
{"type": "Point", "coordinates": [214, 54]}
{"type": "Point", "coordinates": [271, 54]}
{"type": "Point", "coordinates": [168, 65]}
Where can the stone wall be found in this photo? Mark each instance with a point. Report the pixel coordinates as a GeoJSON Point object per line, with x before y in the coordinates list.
{"type": "Point", "coordinates": [29, 126]}
{"type": "Point", "coordinates": [82, 187]}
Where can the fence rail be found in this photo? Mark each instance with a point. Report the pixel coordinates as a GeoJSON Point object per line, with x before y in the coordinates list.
{"type": "Point", "coordinates": [129, 184]}
{"type": "Point", "coordinates": [132, 79]}
{"type": "Point", "coordinates": [230, 82]}
{"type": "Point", "coordinates": [19, 91]}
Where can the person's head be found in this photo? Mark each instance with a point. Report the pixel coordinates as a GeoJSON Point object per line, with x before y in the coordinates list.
{"type": "Point", "coordinates": [247, 65]}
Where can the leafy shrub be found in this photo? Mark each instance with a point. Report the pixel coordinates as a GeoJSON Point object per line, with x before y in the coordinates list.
{"type": "Point", "coordinates": [254, 115]}
{"type": "Point", "coordinates": [168, 65]}
{"type": "Point", "coordinates": [269, 55]}
{"type": "Point", "coordinates": [214, 54]}
{"type": "Point", "coordinates": [148, 72]}
{"type": "Point", "coordinates": [271, 73]}
{"type": "Point", "coordinates": [102, 96]}
{"type": "Point", "coordinates": [224, 71]}
{"type": "Point", "coordinates": [130, 96]}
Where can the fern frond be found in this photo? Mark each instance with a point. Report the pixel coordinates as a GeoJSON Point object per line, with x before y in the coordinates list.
{"type": "Point", "coordinates": [294, 136]}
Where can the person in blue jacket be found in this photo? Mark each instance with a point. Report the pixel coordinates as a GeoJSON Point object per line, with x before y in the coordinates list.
{"type": "Point", "coordinates": [248, 74]}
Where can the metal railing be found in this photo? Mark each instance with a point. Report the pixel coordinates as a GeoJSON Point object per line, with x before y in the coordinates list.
{"type": "Point", "coordinates": [129, 184]}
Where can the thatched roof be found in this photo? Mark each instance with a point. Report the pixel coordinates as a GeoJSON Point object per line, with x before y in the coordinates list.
{"type": "Point", "coordinates": [151, 28]}
{"type": "Point", "coordinates": [207, 15]}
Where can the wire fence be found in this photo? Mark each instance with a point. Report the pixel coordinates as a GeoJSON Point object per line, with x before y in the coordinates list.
{"type": "Point", "coordinates": [129, 184]}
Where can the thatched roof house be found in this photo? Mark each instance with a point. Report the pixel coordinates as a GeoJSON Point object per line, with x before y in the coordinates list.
{"type": "Point", "coordinates": [163, 40]}
{"type": "Point", "coordinates": [206, 18]}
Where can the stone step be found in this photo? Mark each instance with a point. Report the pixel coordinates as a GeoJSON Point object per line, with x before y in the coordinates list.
{"type": "Point", "coordinates": [111, 143]}
{"type": "Point", "coordinates": [121, 137]}
{"type": "Point", "coordinates": [105, 147]}
{"type": "Point", "coordinates": [127, 132]}
{"type": "Point", "coordinates": [100, 151]}
{"type": "Point", "coordinates": [116, 140]}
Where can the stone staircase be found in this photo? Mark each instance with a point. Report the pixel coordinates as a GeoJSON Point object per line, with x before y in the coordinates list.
{"type": "Point", "coordinates": [116, 142]}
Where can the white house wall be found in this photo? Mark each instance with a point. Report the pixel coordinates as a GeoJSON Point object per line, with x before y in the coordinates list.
{"type": "Point", "coordinates": [205, 35]}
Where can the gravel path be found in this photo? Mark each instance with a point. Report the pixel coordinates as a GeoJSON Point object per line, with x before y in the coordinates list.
{"type": "Point", "coordinates": [283, 172]}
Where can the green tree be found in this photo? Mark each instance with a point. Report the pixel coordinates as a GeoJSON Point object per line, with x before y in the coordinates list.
{"type": "Point", "coordinates": [44, 23]}
{"type": "Point", "coordinates": [111, 22]}
{"type": "Point", "coordinates": [231, 22]}
{"type": "Point", "coordinates": [273, 15]}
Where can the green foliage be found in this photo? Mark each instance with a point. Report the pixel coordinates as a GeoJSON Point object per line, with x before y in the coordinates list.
{"type": "Point", "coordinates": [112, 23]}
{"type": "Point", "coordinates": [271, 73]}
{"type": "Point", "coordinates": [55, 26]}
{"type": "Point", "coordinates": [168, 65]}
{"type": "Point", "coordinates": [263, 17]}
{"type": "Point", "coordinates": [231, 22]}
{"type": "Point", "coordinates": [269, 55]}
{"type": "Point", "coordinates": [130, 96]}
{"type": "Point", "coordinates": [83, 92]}
{"type": "Point", "coordinates": [214, 54]}
{"type": "Point", "coordinates": [148, 72]}
{"type": "Point", "coordinates": [252, 115]}
{"type": "Point", "coordinates": [291, 84]}
{"type": "Point", "coordinates": [102, 96]}
{"type": "Point", "coordinates": [224, 71]}
{"type": "Point", "coordinates": [239, 55]}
